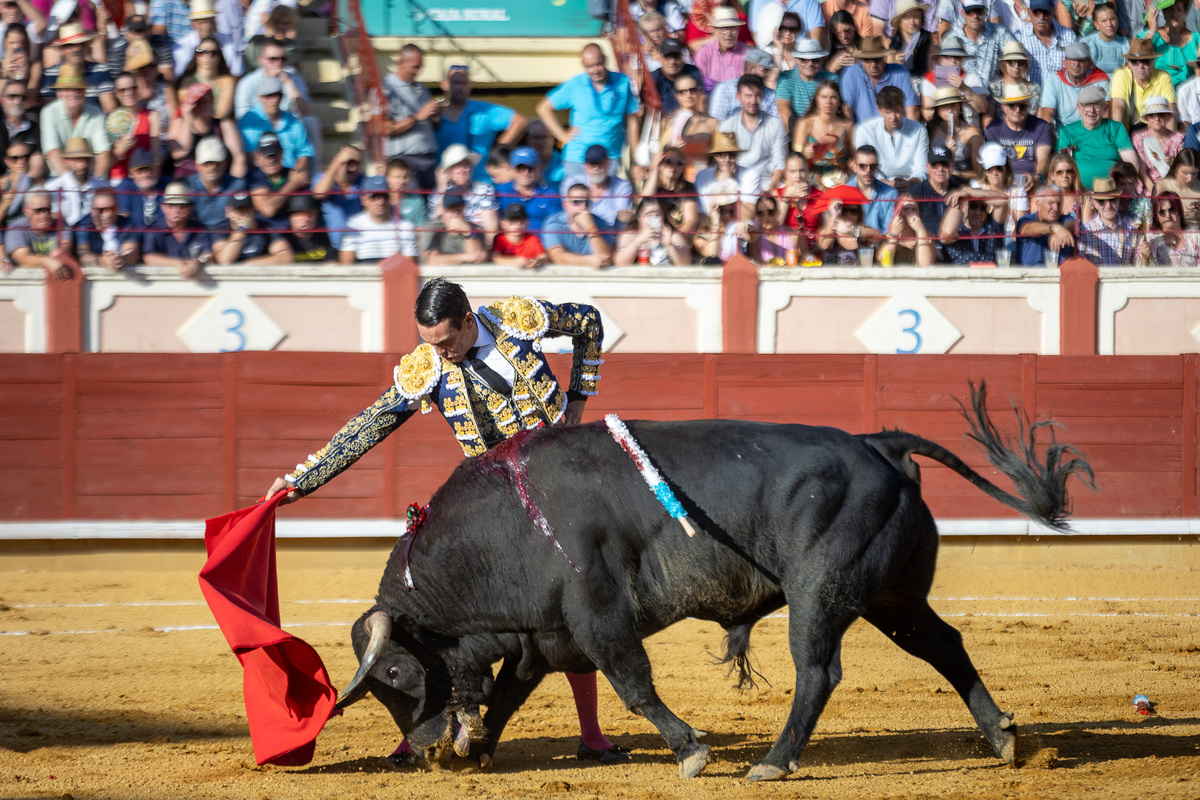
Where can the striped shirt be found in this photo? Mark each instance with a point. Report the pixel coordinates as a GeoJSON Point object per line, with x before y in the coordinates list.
{"type": "Point", "coordinates": [174, 14]}
{"type": "Point", "coordinates": [798, 90]}
{"type": "Point", "coordinates": [1108, 247]}
{"type": "Point", "coordinates": [983, 56]}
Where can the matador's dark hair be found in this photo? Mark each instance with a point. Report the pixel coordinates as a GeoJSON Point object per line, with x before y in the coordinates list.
{"type": "Point", "coordinates": [442, 300]}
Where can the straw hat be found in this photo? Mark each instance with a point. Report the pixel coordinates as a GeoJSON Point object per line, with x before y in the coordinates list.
{"type": "Point", "coordinates": [202, 9]}
{"type": "Point", "coordinates": [1142, 50]}
{"type": "Point", "coordinates": [726, 17]}
{"type": "Point", "coordinates": [904, 7]}
{"type": "Point", "coordinates": [952, 46]}
{"type": "Point", "coordinates": [871, 47]}
{"type": "Point", "coordinates": [1157, 105]}
{"type": "Point", "coordinates": [78, 147]}
{"type": "Point", "coordinates": [72, 33]}
{"type": "Point", "coordinates": [1104, 188]}
{"type": "Point", "coordinates": [724, 142]}
{"type": "Point", "coordinates": [1014, 51]}
{"type": "Point", "coordinates": [1016, 93]}
{"type": "Point", "coordinates": [946, 95]}
{"type": "Point", "coordinates": [70, 77]}
{"type": "Point", "coordinates": [138, 55]}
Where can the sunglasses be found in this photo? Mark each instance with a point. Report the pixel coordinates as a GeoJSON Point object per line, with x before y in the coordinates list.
{"type": "Point", "coordinates": [1168, 212]}
{"type": "Point", "coordinates": [1105, 201]}
{"type": "Point", "coordinates": [17, 158]}
{"type": "Point", "coordinates": [868, 166]}
{"type": "Point", "coordinates": [272, 59]}
{"type": "Point", "coordinates": [14, 96]}
{"type": "Point", "coordinates": [204, 51]}
{"type": "Point", "coordinates": [378, 196]}
{"type": "Point", "coordinates": [691, 90]}
{"type": "Point", "coordinates": [577, 201]}
{"type": "Point", "coordinates": [672, 162]}
{"type": "Point", "coordinates": [1064, 172]}
{"type": "Point", "coordinates": [792, 28]}
{"type": "Point", "coordinates": [765, 212]}
{"type": "Point", "coordinates": [41, 210]}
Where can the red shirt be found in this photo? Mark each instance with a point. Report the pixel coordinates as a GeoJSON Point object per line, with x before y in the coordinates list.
{"type": "Point", "coordinates": [530, 246]}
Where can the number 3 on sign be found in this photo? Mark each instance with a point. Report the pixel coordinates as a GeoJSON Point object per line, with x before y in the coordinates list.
{"type": "Point", "coordinates": [235, 328]}
{"type": "Point", "coordinates": [911, 330]}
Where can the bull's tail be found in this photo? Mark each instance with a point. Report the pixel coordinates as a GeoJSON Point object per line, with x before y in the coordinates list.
{"type": "Point", "coordinates": [737, 655]}
{"type": "Point", "coordinates": [1041, 486]}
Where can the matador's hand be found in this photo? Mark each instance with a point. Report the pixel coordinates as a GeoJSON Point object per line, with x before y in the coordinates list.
{"type": "Point", "coordinates": [278, 486]}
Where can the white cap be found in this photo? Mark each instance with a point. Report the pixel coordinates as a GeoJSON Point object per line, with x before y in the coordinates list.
{"type": "Point", "coordinates": [210, 149]}
{"type": "Point", "coordinates": [992, 155]}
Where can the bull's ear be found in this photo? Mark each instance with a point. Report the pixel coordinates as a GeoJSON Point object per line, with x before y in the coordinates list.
{"type": "Point", "coordinates": [379, 627]}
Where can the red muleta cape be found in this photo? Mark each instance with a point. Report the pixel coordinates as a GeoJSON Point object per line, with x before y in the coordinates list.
{"type": "Point", "coordinates": [288, 694]}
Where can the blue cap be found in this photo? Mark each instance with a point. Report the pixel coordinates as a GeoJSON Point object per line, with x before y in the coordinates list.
{"type": "Point", "coordinates": [524, 157]}
{"type": "Point", "coordinates": [374, 185]}
{"type": "Point", "coordinates": [1042, 5]}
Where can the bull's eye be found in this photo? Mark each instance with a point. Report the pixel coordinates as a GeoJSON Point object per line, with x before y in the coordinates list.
{"type": "Point", "coordinates": [393, 673]}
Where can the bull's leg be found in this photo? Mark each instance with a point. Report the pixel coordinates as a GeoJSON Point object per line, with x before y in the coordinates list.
{"type": "Point", "coordinates": [814, 637]}
{"type": "Point", "coordinates": [918, 630]}
{"type": "Point", "coordinates": [609, 639]}
{"type": "Point", "coordinates": [508, 694]}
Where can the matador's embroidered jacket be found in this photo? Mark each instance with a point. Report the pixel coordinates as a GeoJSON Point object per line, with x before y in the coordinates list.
{"type": "Point", "coordinates": [479, 416]}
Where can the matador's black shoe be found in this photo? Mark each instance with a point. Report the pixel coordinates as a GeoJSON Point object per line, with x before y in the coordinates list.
{"type": "Point", "coordinates": [612, 755]}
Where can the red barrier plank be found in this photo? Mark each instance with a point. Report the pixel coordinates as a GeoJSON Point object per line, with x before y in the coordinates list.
{"type": "Point", "coordinates": [173, 506]}
{"type": "Point", "coordinates": [148, 367]}
{"type": "Point", "coordinates": [117, 454]}
{"type": "Point", "coordinates": [132, 423]}
{"type": "Point", "coordinates": [30, 368]}
{"type": "Point", "coordinates": [1088, 370]}
{"type": "Point", "coordinates": [820, 399]}
{"type": "Point", "coordinates": [1107, 401]}
{"type": "Point", "coordinates": [782, 370]}
{"type": "Point", "coordinates": [29, 423]}
{"type": "Point", "coordinates": [135, 480]}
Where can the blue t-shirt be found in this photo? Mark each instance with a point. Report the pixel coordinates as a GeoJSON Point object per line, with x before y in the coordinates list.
{"type": "Point", "coordinates": [599, 116]}
{"type": "Point", "coordinates": [1032, 249]}
{"type": "Point", "coordinates": [859, 92]}
{"type": "Point", "coordinates": [142, 211]}
{"type": "Point", "coordinates": [210, 208]}
{"type": "Point", "coordinates": [558, 234]}
{"type": "Point", "coordinates": [542, 204]}
{"type": "Point", "coordinates": [337, 207]}
{"type": "Point", "coordinates": [881, 207]}
{"type": "Point", "coordinates": [477, 128]}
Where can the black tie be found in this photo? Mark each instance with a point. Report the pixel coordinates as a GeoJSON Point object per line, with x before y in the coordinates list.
{"type": "Point", "coordinates": [492, 378]}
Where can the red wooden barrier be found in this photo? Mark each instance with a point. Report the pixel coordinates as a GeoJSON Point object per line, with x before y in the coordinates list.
{"type": "Point", "coordinates": [115, 436]}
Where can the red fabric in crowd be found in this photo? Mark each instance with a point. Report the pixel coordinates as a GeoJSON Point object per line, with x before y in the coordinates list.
{"type": "Point", "coordinates": [529, 247]}
{"type": "Point", "coordinates": [288, 694]}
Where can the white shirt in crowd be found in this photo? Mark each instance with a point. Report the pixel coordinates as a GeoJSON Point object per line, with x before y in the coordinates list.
{"type": "Point", "coordinates": [903, 153]}
{"type": "Point", "coordinates": [374, 240]}
{"type": "Point", "coordinates": [749, 187]}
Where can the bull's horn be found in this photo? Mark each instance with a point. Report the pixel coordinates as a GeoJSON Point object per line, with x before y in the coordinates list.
{"type": "Point", "coordinates": [379, 626]}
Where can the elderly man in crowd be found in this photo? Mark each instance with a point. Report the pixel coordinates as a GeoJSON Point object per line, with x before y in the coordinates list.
{"type": "Point", "coordinates": [296, 100]}
{"type": "Point", "coordinates": [931, 193]}
{"type": "Point", "coordinates": [70, 116]}
{"type": "Point", "coordinates": [901, 143]}
{"type": "Point", "coordinates": [762, 138]}
{"type": "Point", "coordinates": [72, 190]}
{"type": "Point", "coordinates": [603, 107]}
{"type": "Point", "coordinates": [1044, 40]}
{"type": "Point", "coordinates": [1098, 144]}
{"type": "Point", "coordinates": [182, 243]}
{"type": "Point", "coordinates": [862, 82]}
{"type": "Point", "coordinates": [33, 241]}
{"type": "Point", "coordinates": [1027, 140]}
{"type": "Point", "coordinates": [104, 238]}
{"type": "Point", "coordinates": [1107, 240]}
{"type": "Point", "coordinates": [1045, 230]}
{"type": "Point", "coordinates": [796, 87]}
{"type": "Point", "coordinates": [724, 57]}
{"type": "Point", "coordinates": [981, 40]}
{"type": "Point", "coordinates": [611, 196]}
{"type": "Point", "coordinates": [1060, 91]}
{"type": "Point", "coordinates": [212, 185]}
{"type": "Point", "coordinates": [411, 116]}
{"type": "Point", "coordinates": [723, 103]}
{"type": "Point", "coordinates": [1139, 81]}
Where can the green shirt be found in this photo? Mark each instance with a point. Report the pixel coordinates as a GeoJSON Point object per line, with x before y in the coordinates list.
{"type": "Point", "coordinates": [1098, 151]}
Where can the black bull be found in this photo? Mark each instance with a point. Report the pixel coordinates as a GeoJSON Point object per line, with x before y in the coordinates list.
{"type": "Point", "coordinates": [830, 524]}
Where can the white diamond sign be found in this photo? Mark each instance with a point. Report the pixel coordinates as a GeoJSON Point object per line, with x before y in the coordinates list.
{"type": "Point", "coordinates": [228, 324]}
{"type": "Point", "coordinates": [908, 323]}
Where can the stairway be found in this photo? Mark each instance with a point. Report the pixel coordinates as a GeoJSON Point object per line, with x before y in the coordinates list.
{"type": "Point", "coordinates": [322, 68]}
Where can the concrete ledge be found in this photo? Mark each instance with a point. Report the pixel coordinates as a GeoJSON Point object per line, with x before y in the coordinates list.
{"type": "Point", "coordinates": [334, 529]}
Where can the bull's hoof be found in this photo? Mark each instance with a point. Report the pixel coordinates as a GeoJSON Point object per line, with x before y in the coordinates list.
{"type": "Point", "coordinates": [762, 771]}
{"type": "Point", "coordinates": [690, 765]}
{"type": "Point", "coordinates": [485, 762]}
{"type": "Point", "coordinates": [1006, 741]}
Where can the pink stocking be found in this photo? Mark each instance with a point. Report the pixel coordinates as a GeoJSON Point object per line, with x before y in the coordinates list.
{"type": "Point", "coordinates": [584, 689]}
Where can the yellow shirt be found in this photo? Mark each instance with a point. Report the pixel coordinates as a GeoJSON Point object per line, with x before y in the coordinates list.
{"type": "Point", "coordinates": [1123, 86]}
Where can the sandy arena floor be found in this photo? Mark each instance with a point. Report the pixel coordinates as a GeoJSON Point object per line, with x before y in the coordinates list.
{"type": "Point", "coordinates": [117, 685]}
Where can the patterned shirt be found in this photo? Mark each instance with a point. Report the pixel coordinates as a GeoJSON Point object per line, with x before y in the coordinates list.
{"type": "Point", "coordinates": [1044, 61]}
{"type": "Point", "coordinates": [798, 90]}
{"type": "Point", "coordinates": [1108, 247]}
{"type": "Point", "coordinates": [983, 55]}
{"type": "Point", "coordinates": [1108, 56]}
{"type": "Point", "coordinates": [723, 102]}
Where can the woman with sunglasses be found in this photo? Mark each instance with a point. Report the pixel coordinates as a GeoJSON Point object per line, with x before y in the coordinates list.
{"type": "Point", "coordinates": [949, 128]}
{"type": "Point", "coordinates": [1007, 200]}
{"type": "Point", "coordinates": [783, 46]}
{"type": "Point", "coordinates": [142, 129]}
{"type": "Point", "coordinates": [1013, 70]}
{"type": "Point", "coordinates": [675, 193]}
{"type": "Point", "coordinates": [769, 243]}
{"type": "Point", "coordinates": [689, 127]}
{"type": "Point", "coordinates": [16, 181]}
{"type": "Point", "coordinates": [209, 68]}
{"type": "Point", "coordinates": [1171, 243]}
{"type": "Point", "coordinates": [651, 239]}
{"type": "Point", "coordinates": [1156, 144]}
{"type": "Point", "coordinates": [194, 122]}
{"type": "Point", "coordinates": [911, 43]}
{"type": "Point", "coordinates": [1063, 172]}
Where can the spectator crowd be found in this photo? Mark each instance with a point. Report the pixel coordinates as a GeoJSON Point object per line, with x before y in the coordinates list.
{"type": "Point", "coordinates": [843, 132]}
